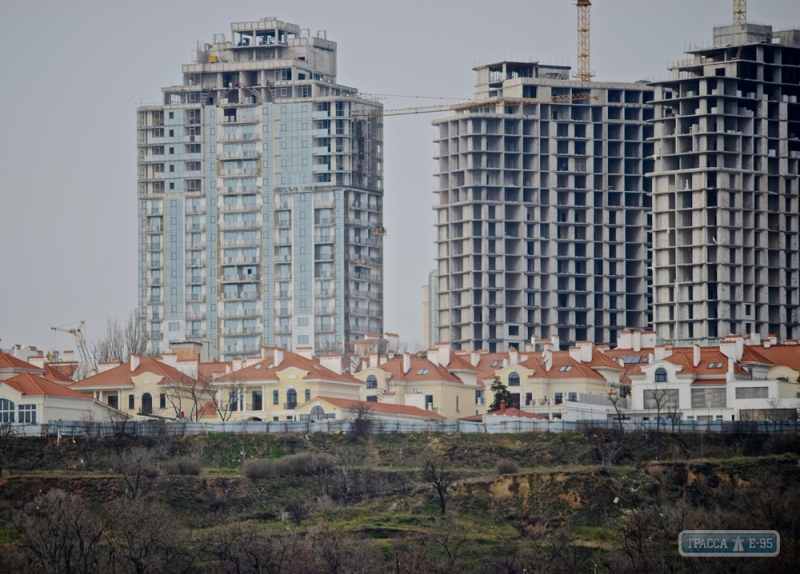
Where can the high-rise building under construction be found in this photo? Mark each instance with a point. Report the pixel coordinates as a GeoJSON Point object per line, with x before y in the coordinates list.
{"type": "Point", "coordinates": [260, 198]}
{"type": "Point", "coordinates": [726, 217]}
{"type": "Point", "coordinates": [543, 209]}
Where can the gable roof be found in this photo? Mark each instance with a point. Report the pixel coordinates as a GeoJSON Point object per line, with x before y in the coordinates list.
{"type": "Point", "coordinates": [31, 385]}
{"type": "Point", "coordinates": [421, 370]}
{"type": "Point", "coordinates": [121, 376]}
{"type": "Point", "coordinates": [265, 371]}
{"type": "Point", "coordinates": [572, 368]}
{"type": "Point", "coordinates": [779, 355]}
{"type": "Point", "coordinates": [387, 408]}
{"type": "Point", "coordinates": [51, 373]}
{"type": "Point", "coordinates": [684, 357]}
{"type": "Point", "coordinates": [11, 362]}
{"type": "Point", "coordinates": [512, 412]}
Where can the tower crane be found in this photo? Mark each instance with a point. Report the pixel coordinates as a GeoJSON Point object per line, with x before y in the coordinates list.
{"type": "Point", "coordinates": [79, 333]}
{"type": "Point", "coordinates": [740, 12]}
{"type": "Point", "coordinates": [584, 73]}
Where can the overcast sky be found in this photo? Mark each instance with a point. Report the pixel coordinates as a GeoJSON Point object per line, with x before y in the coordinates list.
{"type": "Point", "coordinates": [73, 72]}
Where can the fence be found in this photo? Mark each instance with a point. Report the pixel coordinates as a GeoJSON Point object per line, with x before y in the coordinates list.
{"type": "Point", "coordinates": [491, 426]}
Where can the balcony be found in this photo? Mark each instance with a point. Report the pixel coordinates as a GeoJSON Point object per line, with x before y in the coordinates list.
{"type": "Point", "coordinates": [283, 240]}
{"type": "Point", "coordinates": [247, 136]}
{"type": "Point", "coordinates": [155, 335]}
{"type": "Point", "coordinates": [196, 333]}
{"type": "Point", "coordinates": [324, 293]}
{"type": "Point", "coordinates": [365, 276]}
{"type": "Point", "coordinates": [196, 245]}
{"type": "Point", "coordinates": [324, 328]}
{"type": "Point", "coordinates": [238, 207]}
{"type": "Point", "coordinates": [153, 211]}
{"type": "Point", "coordinates": [240, 277]}
{"type": "Point", "coordinates": [324, 221]}
{"type": "Point", "coordinates": [365, 241]}
{"type": "Point", "coordinates": [241, 296]}
{"type": "Point", "coordinates": [241, 260]}
{"type": "Point", "coordinates": [237, 190]}
{"type": "Point", "coordinates": [325, 310]}
{"type": "Point", "coordinates": [153, 229]}
{"type": "Point", "coordinates": [283, 258]}
{"type": "Point", "coordinates": [248, 154]}
{"type": "Point", "coordinates": [365, 261]}
{"type": "Point", "coordinates": [195, 297]}
{"type": "Point", "coordinates": [195, 209]}
{"type": "Point", "coordinates": [195, 227]}
{"type": "Point", "coordinates": [366, 294]}
{"type": "Point", "coordinates": [289, 406]}
{"type": "Point", "coordinates": [155, 247]}
{"type": "Point", "coordinates": [325, 204]}
{"type": "Point", "coordinates": [241, 331]}
{"type": "Point", "coordinates": [198, 316]}
{"type": "Point", "coordinates": [154, 299]}
{"type": "Point", "coordinates": [195, 263]}
{"type": "Point", "coordinates": [325, 275]}
{"type": "Point", "coordinates": [283, 295]}
{"type": "Point", "coordinates": [240, 119]}
{"type": "Point", "coordinates": [235, 172]}
{"type": "Point", "coordinates": [365, 312]}
{"type": "Point", "coordinates": [249, 242]}
{"type": "Point", "coordinates": [229, 225]}
{"type": "Point", "coordinates": [283, 330]}
{"type": "Point", "coordinates": [238, 313]}
{"type": "Point", "coordinates": [155, 281]}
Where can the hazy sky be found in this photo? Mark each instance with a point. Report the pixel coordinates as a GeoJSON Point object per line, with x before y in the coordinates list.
{"type": "Point", "coordinates": [73, 72]}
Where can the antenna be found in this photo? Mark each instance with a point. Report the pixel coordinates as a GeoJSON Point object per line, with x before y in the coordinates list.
{"type": "Point", "coordinates": [740, 12]}
{"type": "Point", "coordinates": [584, 69]}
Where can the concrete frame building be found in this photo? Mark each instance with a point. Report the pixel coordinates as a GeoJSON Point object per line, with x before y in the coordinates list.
{"type": "Point", "coordinates": [725, 188]}
{"type": "Point", "coordinates": [543, 210]}
{"type": "Point", "coordinates": [260, 198]}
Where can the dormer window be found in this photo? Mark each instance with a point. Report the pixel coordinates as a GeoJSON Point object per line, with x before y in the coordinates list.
{"type": "Point", "coordinates": [661, 376]}
{"type": "Point", "coordinates": [565, 369]}
{"type": "Point", "coordinates": [423, 371]}
{"type": "Point", "coordinates": [513, 380]}
{"type": "Point", "coordinates": [372, 382]}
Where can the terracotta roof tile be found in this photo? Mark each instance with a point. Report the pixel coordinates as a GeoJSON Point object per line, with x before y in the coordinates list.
{"type": "Point", "coordinates": [387, 408]}
{"type": "Point", "coordinates": [264, 371]}
{"type": "Point", "coordinates": [28, 384]}
{"type": "Point", "coordinates": [121, 376]}
{"type": "Point", "coordinates": [11, 362]}
{"type": "Point", "coordinates": [421, 370]}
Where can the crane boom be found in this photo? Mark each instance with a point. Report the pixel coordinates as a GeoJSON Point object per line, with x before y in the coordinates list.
{"type": "Point", "coordinates": [80, 339]}
{"type": "Point", "coordinates": [480, 104]}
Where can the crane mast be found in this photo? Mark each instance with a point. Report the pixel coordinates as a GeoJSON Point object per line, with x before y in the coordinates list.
{"type": "Point", "coordinates": [584, 68]}
{"type": "Point", "coordinates": [740, 12]}
{"type": "Point", "coordinates": [80, 339]}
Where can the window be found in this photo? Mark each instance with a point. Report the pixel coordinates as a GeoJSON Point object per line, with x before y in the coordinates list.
{"type": "Point", "coordinates": [662, 399]}
{"type": "Point", "coordinates": [479, 400]}
{"type": "Point", "coordinates": [661, 375]}
{"type": "Point", "coordinates": [572, 397]}
{"type": "Point", "coordinates": [559, 398]}
{"type": "Point", "coordinates": [372, 399]}
{"type": "Point", "coordinates": [6, 411]}
{"type": "Point", "coordinates": [428, 401]}
{"type": "Point", "coordinates": [494, 363]}
{"type": "Point", "coordinates": [27, 414]}
{"type": "Point", "coordinates": [162, 401]}
{"type": "Point", "coordinates": [302, 340]}
{"type": "Point", "coordinates": [113, 401]}
{"type": "Point", "coordinates": [258, 402]}
{"type": "Point", "coordinates": [565, 368]}
{"type": "Point", "coordinates": [131, 402]}
{"type": "Point", "coordinates": [302, 322]}
{"type": "Point", "coordinates": [752, 393]}
{"type": "Point", "coordinates": [233, 401]}
{"type": "Point", "coordinates": [709, 398]}
{"type": "Point", "coordinates": [308, 395]}
{"type": "Point", "coordinates": [372, 382]}
{"type": "Point", "coordinates": [513, 380]}
{"type": "Point", "coordinates": [423, 371]}
{"type": "Point", "coordinates": [458, 403]}
{"type": "Point", "coordinates": [291, 399]}
{"type": "Point", "coordinates": [275, 398]}
{"type": "Point", "coordinates": [174, 326]}
{"type": "Point", "coordinates": [147, 404]}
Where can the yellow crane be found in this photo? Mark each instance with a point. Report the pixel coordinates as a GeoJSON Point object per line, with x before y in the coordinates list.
{"type": "Point", "coordinates": [584, 68]}
{"type": "Point", "coordinates": [79, 333]}
{"type": "Point", "coordinates": [740, 11]}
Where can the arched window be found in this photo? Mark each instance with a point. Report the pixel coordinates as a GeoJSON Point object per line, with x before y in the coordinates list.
{"type": "Point", "coordinates": [513, 380]}
{"type": "Point", "coordinates": [147, 404]}
{"type": "Point", "coordinates": [6, 411]}
{"type": "Point", "coordinates": [661, 376]}
{"type": "Point", "coordinates": [291, 399]}
{"type": "Point", "coordinates": [317, 413]}
{"type": "Point", "coordinates": [372, 382]}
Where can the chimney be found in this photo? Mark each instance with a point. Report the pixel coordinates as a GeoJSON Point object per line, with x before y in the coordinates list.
{"type": "Point", "coordinates": [278, 355]}
{"type": "Point", "coordinates": [532, 345]}
{"type": "Point", "coordinates": [755, 339]}
{"type": "Point", "coordinates": [373, 360]}
{"type": "Point", "coordinates": [660, 352]}
{"type": "Point", "coordinates": [68, 356]}
{"type": "Point", "coordinates": [170, 359]}
{"type": "Point", "coordinates": [547, 359]}
{"type": "Point", "coordinates": [648, 339]}
{"type": "Point", "coordinates": [237, 364]}
{"type": "Point", "coordinates": [621, 362]}
{"type": "Point", "coordinates": [505, 362]}
{"type": "Point", "coordinates": [433, 356]}
{"type": "Point", "coordinates": [696, 355]}
{"type": "Point", "coordinates": [732, 348]}
{"type": "Point", "coordinates": [36, 361]}
{"type": "Point", "coordinates": [637, 340]}
{"type": "Point", "coordinates": [382, 360]}
{"type": "Point", "coordinates": [773, 340]}
{"type": "Point", "coordinates": [625, 340]}
{"type": "Point", "coordinates": [444, 353]}
{"type": "Point", "coordinates": [107, 366]}
{"type": "Point", "coordinates": [406, 362]}
{"type": "Point", "coordinates": [729, 376]}
{"type": "Point", "coordinates": [790, 342]}
{"type": "Point", "coordinates": [556, 342]}
{"type": "Point", "coordinates": [502, 407]}
{"type": "Point", "coordinates": [586, 351]}
{"type": "Point", "coordinates": [134, 362]}
{"type": "Point", "coordinates": [513, 356]}
{"type": "Point", "coordinates": [475, 358]}
{"type": "Point", "coordinates": [575, 354]}
{"type": "Point", "coordinates": [306, 352]}
{"type": "Point", "coordinates": [332, 363]}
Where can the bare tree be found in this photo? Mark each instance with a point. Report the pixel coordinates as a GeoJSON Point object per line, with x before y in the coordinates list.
{"type": "Point", "coordinates": [241, 548]}
{"type": "Point", "coordinates": [364, 419]}
{"type": "Point", "coordinates": [121, 339]}
{"type": "Point", "coordinates": [60, 534]}
{"type": "Point", "coordinates": [614, 392]}
{"type": "Point", "coordinates": [437, 471]}
{"type": "Point", "coordinates": [344, 474]}
{"type": "Point", "coordinates": [188, 395]}
{"type": "Point", "coordinates": [450, 537]}
{"type": "Point", "coordinates": [134, 465]}
{"type": "Point", "coordinates": [7, 442]}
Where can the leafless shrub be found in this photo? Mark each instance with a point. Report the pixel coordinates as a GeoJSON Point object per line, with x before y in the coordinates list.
{"type": "Point", "coordinates": [240, 548]}
{"type": "Point", "coordinates": [183, 466]}
{"type": "Point", "coordinates": [301, 464]}
{"type": "Point", "coordinates": [333, 551]}
{"type": "Point", "coordinates": [60, 534]}
{"type": "Point", "coordinates": [438, 472]}
{"type": "Point", "coordinates": [134, 466]}
{"type": "Point", "coordinates": [506, 466]}
{"type": "Point", "coordinates": [298, 510]}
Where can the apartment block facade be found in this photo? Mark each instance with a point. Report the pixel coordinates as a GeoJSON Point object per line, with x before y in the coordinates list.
{"type": "Point", "coordinates": [260, 199]}
{"type": "Point", "coordinates": [725, 188]}
{"type": "Point", "coordinates": [543, 210]}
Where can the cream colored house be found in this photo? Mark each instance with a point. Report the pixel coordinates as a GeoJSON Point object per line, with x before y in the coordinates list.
{"type": "Point", "coordinates": [272, 388]}
{"type": "Point", "coordinates": [322, 408]}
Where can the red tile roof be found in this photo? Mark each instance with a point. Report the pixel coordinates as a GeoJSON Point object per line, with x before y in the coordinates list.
{"type": "Point", "coordinates": [28, 384]}
{"type": "Point", "coordinates": [212, 369]}
{"type": "Point", "coordinates": [562, 359]}
{"type": "Point", "coordinates": [264, 370]}
{"type": "Point", "coordinates": [417, 371]}
{"type": "Point", "coordinates": [56, 375]}
{"type": "Point", "coordinates": [387, 408]}
{"type": "Point", "coordinates": [509, 412]}
{"type": "Point", "coordinates": [11, 362]}
{"type": "Point", "coordinates": [122, 375]}
{"type": "Point", "coordinates": [780, 355]}
{"type": "Point", "coordinates": [684, 356]}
